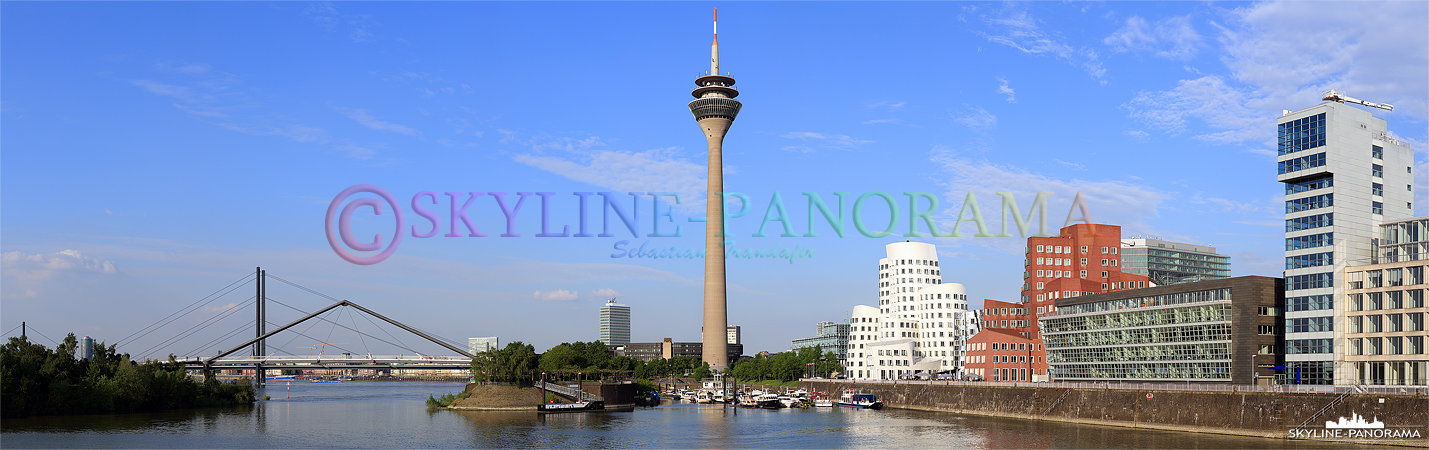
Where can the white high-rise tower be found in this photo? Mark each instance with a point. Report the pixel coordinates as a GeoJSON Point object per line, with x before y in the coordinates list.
{"type": "Point", "coordinates": [1344, 175]}
{"type": "Point", "coordinates": [921, 325]}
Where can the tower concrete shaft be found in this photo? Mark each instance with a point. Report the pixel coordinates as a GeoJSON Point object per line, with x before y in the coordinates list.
{"type": "Point", "coordinates": [714, 108]}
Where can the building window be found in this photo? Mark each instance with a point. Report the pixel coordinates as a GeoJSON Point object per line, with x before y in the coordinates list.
{"type": "Point", "coordinates": [1376, 208]}
{"type": "Point", "coordinates": [1309, 241]}
{"type": "Point", "coordinates": [1311, 202]}
{"type": "Point", "coordinates": [1309, 185]}
{"type": "Point", "coordinates": [1309, 222]}
{"type": "Point", "coordinates": [1104, 274]}
{"type": "Point", "coordinates": [1301, 134]}
{"type": "Point", "coordinates": [1084, 251]}
{"type": "Point", "coordinates": [1310, 281]}
{"type": "Point", "coordinates": [1312, 302]}
{"type": "Point", "coordinates": [1307, 346]}
{"type": "Point", "coordinates": [1376, 189]}
{"type": "Point", "coordinates": [1376, 152]}
{"type": "Point", "coordinates": [1376, 170]}
{"type": "Point", "coordinates": [1302, 163]}
{"type": "Point", "coordinates": [1310, 260]}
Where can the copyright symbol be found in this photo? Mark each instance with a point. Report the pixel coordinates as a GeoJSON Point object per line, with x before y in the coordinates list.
{"type": "Point", "coordinates": [344, 225]}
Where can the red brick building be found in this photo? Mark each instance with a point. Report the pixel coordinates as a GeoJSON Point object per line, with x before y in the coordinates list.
{"type": "Point", "coordinates": [1082, 259]}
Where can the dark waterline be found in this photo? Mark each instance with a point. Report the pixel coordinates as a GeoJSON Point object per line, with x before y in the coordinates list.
{"type": "Point", "coordinates": [394, 415]}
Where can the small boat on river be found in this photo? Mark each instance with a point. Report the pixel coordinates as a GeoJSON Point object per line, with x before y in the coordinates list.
{"type": "Point", "coordinates": [864, 401]}
{"type": "Point", "coordinates": [570, 407]}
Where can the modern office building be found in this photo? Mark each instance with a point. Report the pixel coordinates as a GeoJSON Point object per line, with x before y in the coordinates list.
{"type": "Point", "coordinates": [1384, 333]}
{"type": "Point", "coordinates": [714, 108]}
{"type": "Point", "coordinates": [1344, 175]}
{"type": "Point", "coordinates": [828, 337]}
{"type": "Point", "coordinates": [1166, 262]}
{"type": "Point", "coordinates": [731, 334]}
{"type": "Point", "coordinates": [480, 344]}
{"type": "Point", "coordinates": [921, 324]}
{"type": "Point", "coordinates": [614, 323]}
{"type": "Point", "coordinates": [646, 351]}
{"type": "Point", "coordinates": [1224, 331]}
{"type": "Point", "coordinates": [1082, 259]}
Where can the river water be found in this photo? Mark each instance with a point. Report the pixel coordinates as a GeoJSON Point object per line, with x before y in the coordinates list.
{"type": "Point", "coordinates": [375, 414]}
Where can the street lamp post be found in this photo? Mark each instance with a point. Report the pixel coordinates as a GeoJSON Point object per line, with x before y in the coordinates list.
{"type": "Point", "coordinates": [1254, 370]}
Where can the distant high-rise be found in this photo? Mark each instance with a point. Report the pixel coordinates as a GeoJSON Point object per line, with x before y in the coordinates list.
{"type": "Point", "coordinates": [714, 108]}
{"type": "Point", "coordinates": [1344, 175]}
{"type": "Point", "coordinates": [480, 344]}
{"type": "Point", "coordinates": [732, 335]}
{"type": "Point", "coordinates": [1167, 262]}
{"type": "Point", "coordinates": [614, 323]}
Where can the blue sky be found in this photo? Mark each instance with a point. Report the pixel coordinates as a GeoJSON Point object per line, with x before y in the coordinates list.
{"type": "Point", "coordinates": [155, 152]}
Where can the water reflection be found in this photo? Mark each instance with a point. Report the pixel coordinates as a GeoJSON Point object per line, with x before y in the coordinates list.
{"type": "Point", "coordinates": [393, 415]}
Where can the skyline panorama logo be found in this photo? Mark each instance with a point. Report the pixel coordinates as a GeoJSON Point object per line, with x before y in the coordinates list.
{"type": "Point", "coordinates": [659, 214]}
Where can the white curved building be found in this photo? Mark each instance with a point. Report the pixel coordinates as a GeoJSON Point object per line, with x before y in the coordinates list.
{"type": "Point", "coordinates": [921, 324]}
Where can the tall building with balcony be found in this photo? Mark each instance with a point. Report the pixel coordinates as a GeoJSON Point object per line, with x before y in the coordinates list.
{"type": "Point", "coordinates": [1384, 336]}
{"type": "Point", "coordinates": [614, 323]}
{"type": "Point", "coordinates": [828, 337]}
{"type": "Point", "coordinates": [1166, 262]}
{"type": "Point", "coordinates": [1344, 175]}
{"type": "Point", "coordinates": [921, 325]}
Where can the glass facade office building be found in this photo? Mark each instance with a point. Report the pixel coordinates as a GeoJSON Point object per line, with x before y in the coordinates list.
{"type": "Point", "coordinates": [1344, 174]}
{"type": "Point", "coordinates": [829, 337]}
{"type": "Point", "coordinates": [1191, 332]}
{"type": "Point", "coordinates": [1166, 262]}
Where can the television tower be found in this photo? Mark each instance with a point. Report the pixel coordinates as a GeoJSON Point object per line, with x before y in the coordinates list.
{"type": "Point", "coordinates": [714, 108]}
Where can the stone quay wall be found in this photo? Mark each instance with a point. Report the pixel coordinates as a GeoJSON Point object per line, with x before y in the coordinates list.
{"type": "Point", "coordinates": [1250, 413]}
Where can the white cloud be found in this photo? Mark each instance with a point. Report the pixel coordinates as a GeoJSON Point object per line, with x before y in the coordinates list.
{"type": "Point", "coordinates": [1113, 202]}
{"type": "Point", "coordinates": [1209, 99]}
{"type": "Point", "coordinates": [32, 275]}
{"type": "Point", "coordinates": [1284, 55]}
{"type": "Point", "coordinates": [1173, 38]}
{"type": "Point", "coordinates": [44, 266]}
{"type": "Point", "coordinates": [1002, 88]}
{"type": "Point", "coordinates": [556, 295]}
{"type": "Point", "coordinates": [660, 170]}
{"type": "Point", "coordinates": [976, 117]}
{"type": "Point", "coordinates": [1017, 28]}
{"type": "Point", "coordinates": [827, 140]}
{"type": "Point", "coordinates": [1138, 135]}
{"type": "Point", "coordinates": [604, 293]}
{"type": "Point", "coordinates": [1071, 165]}
{"type": "Point", "coordinates": [362, 117]}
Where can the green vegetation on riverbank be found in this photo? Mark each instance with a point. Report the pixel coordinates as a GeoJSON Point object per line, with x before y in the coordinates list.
{"type": "Point", "coordinates": [35, 380]}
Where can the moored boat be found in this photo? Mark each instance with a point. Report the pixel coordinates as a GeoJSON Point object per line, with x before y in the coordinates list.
{"type": "Point", "coordinates": [864, 401]}
{"type": "Point", "coordinates": [570, 407]}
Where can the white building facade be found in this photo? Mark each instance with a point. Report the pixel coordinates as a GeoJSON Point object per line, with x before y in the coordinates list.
{"type": "Point", "coordinates": [1344, 175]}
{"type": "Point", "coordinates": [921, 325]}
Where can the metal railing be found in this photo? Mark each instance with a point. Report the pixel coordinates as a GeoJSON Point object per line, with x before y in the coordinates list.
{"type": "Point", "coordinates": [1195, 387]}
{"type": "Point", "coordinates": [569, 391]}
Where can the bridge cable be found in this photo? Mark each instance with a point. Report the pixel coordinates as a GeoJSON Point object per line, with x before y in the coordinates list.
{"type": "Point", "coordinates": [13, 329]}
{"type": "Point", "coordinates": [199, 327]}
{"type": "Point", "coordinates": [32, 328]}
{"type": "Point", "coordinates": [298, 334]}
{"type": "Point", "coordinates": [359, 335]}
{"type": "Point", "coordinates": [197, 351]}
{"type": "Point", "coordinates": [335, 299]}
{"type": "Point", "coordinates": [191, 311]}
{"type": "Point", "coordinates": [402, 346]}
{"type": "Point", "coordinates": [245, 277]}
{"type": "Point", "coordinates": [389, 334]}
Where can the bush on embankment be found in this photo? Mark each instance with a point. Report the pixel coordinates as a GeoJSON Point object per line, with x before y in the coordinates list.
{"type": "Point", "coordinates": [35, 380]}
